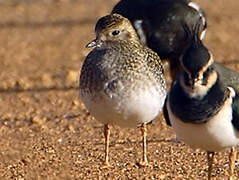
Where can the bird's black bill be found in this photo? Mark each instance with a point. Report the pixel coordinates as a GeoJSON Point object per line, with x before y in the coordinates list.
{"type": "Point", "coordinates": [91, 44]}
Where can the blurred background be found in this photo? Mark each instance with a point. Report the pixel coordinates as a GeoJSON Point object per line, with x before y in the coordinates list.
{"type": "Point", "coordinates": [45, 131]}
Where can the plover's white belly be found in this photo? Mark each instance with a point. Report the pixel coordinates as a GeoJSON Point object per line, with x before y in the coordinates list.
{"type": "Point", "coordinates": [126, 108]}
{"type": "Point", "coordinates": [215, 135]}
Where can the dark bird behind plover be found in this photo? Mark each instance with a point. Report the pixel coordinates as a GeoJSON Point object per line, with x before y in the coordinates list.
{"type": "Point", "coordinates": [121, 81]}
{"type": "Point", "coordinates": [159, 24]}
{"type": "Point", "coordinates": [203, 103]}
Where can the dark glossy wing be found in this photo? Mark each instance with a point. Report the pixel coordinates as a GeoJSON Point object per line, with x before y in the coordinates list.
{"type": "Point", "coordinates": [228, 76]}
{"type": "Point", "coordinates": [231, 79]}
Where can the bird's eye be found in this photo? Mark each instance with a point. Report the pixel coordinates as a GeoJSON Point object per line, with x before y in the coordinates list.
{"type": "Point", "coordinates": [115, 32]}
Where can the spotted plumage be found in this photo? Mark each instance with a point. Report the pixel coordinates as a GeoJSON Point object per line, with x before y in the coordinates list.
{"type": "Point", "coordinates": [122, 81]}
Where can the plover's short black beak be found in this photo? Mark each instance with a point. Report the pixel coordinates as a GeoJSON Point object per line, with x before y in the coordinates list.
{"type": "Point", "coordinates": [95, 42]}
{"type": "Point", "coordinates": [91, 44]}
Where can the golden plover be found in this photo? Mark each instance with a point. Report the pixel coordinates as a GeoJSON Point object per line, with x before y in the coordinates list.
{"type": "Point", "coordinates": [122, 81]}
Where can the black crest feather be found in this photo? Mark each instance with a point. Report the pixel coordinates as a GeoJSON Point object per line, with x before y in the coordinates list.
{"type": "Point", "coordinates": [196, 54]}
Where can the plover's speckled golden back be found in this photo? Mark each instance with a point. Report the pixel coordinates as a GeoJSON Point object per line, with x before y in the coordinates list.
{"type": "Point", "coordinates": [121, 80]}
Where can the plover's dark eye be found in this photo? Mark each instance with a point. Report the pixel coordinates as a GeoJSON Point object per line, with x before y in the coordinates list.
{"type": "Point", "coordinates": [115, 32]}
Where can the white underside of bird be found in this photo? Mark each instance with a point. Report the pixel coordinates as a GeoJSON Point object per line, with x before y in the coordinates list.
{"type": "Point", "coordinates": [216, 134]}
{"type": "Point", "coordinates": [131, 109]}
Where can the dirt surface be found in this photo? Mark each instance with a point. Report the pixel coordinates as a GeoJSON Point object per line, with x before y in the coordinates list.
{"type": "Point", "coordinates": [45, 131]}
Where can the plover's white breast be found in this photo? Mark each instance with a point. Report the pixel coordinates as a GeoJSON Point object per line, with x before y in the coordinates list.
{"type": "Point", "coordinates": [126, 106]}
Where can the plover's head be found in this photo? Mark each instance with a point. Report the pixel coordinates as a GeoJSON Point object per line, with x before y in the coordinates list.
{"type": "Point", "coordinates": [113, 27]}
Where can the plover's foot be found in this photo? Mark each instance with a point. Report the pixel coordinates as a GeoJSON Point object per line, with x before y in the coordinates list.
{"type": "Point", "coordinates": [106, 165]}
{"type": "Point", "coordinates": [143, 164]}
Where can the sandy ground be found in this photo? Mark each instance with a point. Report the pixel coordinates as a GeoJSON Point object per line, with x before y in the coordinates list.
{"type": "Point", "coordinates": [45, 131]}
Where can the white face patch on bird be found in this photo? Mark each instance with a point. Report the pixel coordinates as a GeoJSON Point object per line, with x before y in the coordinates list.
{"type": "Point", "coordinates": [200, 88]}
{"type": "Point", "coordinates": [113, 27]}
{"type": "Point", "coordinates": [196, 76]}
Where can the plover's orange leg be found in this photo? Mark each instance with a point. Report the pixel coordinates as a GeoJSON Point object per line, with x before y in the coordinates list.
{"type": "Point", "coordinates": [107, 142]}
{"type": "Point", "coordinates": [144, 161]}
